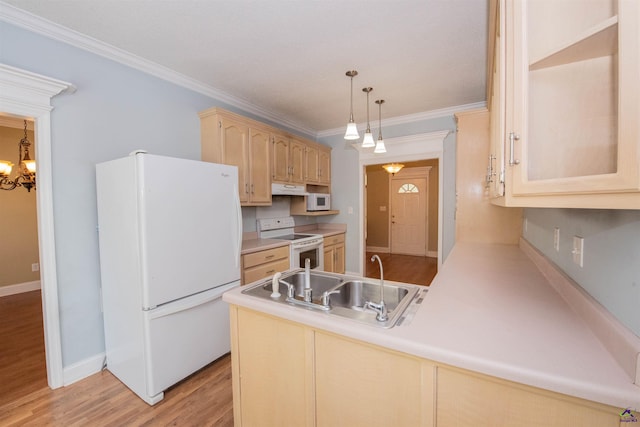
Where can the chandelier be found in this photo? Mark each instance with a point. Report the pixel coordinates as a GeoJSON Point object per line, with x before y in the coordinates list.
{"type": "Point", "coordinates": [26, 176]}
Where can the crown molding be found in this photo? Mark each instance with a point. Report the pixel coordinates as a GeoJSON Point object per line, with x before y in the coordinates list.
{"type": "Point", "coordinates": [39, 25]}
{"type": "Point", "coordinates": [412, 118]}
{"type": "Point", "coordinates": [430, 142]}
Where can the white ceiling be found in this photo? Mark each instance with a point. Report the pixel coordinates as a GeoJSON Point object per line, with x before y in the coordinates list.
{"type": "Point", "coordinates": [289, 57]}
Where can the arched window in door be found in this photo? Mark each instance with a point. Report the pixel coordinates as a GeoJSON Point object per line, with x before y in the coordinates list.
{"type": "Point", "coordinates": [408, 188]}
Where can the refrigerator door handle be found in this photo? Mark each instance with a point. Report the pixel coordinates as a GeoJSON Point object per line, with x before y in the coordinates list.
{"type": "Point", "coordinates": [239, 229]}
{"type": "Point", "coordinates": [187, 303]}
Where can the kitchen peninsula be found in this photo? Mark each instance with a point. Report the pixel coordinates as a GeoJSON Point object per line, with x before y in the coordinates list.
{"type": "Point", "coordinates": [493, 343]}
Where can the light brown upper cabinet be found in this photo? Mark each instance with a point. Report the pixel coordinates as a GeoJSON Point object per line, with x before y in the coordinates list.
{"type": "Point", "coordinates": [317, 164]}
{"type": "Point", "coordinates": [324, 161]}
{"type": "Point", "coordinates": [288, 156]}
{"type": "Point", "coordinates": [280, 156]}
{"type": "Point", "coordinates": [263, 154]}
{"type": "Point", "coordinates": [565, 101]}
{"type": "Point", "coordinates": [297, 150]}
{"type": "Point", "coordinates": [233, 140]}
{"type": "Point", "coordinates": [312, 164]}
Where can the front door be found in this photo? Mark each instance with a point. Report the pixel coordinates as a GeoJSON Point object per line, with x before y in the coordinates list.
{"type": "Point", "coordinates": [409, 215]}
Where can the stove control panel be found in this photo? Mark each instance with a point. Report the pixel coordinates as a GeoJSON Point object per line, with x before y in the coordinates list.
{"type": "Point", "coordinates": [266, 224]}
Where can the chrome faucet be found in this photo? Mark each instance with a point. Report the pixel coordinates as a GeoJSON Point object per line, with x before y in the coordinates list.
{"type": "Point", "coordinates": [307, 280]}
{"type": "Point", "coordinates": [324, 300]}
{"type": "Point", "coordinates": [380, 308]}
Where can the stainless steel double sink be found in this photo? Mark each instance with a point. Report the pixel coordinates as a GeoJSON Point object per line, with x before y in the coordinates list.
{"type": "Point", "coordinates": [346, 295]}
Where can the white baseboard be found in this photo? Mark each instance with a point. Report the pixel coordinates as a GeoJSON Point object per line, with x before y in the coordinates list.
{"type": "Point", "coordinates": [19, 288]}
{"type": "Point", "coordinates": [384, 250]}
{"type": "Point", "coordinates": [378, 249]}
{"type": "Point", "coordinates": [83, 369]}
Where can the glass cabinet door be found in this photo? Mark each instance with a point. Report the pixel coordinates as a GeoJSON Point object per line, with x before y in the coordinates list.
{"type": "Point", "coordinates": [575, 96]}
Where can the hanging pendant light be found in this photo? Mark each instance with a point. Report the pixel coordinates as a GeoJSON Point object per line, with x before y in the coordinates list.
{"type": "Point", "coordinates": [380, 148]}
{"type": "Point", "coordinates": [26, 176]}
{"type": "Point", "coordinates": [352, 129]}
{"type": "Point", "coordinates": [367, 141]}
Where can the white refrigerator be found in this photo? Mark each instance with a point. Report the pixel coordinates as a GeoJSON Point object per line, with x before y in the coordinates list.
{"type": "Point", "coordinates": [170, 234]}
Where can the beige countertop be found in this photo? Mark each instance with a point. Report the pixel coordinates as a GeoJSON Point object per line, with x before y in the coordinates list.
{"type": "Point", "coordinates": [491, 310]}
{"type": "Point", "coordinates": [255, 245]}
{"type": "Point", "coordinates": [325, 229]}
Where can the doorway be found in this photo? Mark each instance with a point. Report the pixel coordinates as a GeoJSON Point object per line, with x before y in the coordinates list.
{"type": "Point", "coordinates": [22, 355]}
{"type": "Point", "coordinates": [402, 220]}
{"type": "Point", "coordinates": [412, 148]}
{"type": "Point", "coordinates": [28, 95]}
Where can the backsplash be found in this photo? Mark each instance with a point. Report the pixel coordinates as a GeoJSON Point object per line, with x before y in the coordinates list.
{"type": "Point", "coordinates": [280, 207]}
{"type": "Point", "coordinates": [611, 256]}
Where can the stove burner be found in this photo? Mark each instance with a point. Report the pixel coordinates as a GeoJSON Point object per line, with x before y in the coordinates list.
{"type": "Point", "coordinates": [283, 229]}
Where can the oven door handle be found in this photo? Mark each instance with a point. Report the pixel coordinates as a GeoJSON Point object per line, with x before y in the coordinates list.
{"type": "Point", "coordinates": [300, 245]}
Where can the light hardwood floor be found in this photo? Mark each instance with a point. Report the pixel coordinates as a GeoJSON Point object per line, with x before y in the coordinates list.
{"type": "Point", "coordinates": [403, 268]}
{"type": "Point", "coordinates": [22, 359]}
{"type": "Point", "coordinates": [203, 399]}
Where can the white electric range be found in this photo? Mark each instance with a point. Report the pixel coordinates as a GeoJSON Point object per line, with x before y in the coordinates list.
{"type": "Point", "coordinates": [302, 245]}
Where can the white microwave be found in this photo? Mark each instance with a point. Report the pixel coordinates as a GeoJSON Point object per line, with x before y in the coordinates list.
{"type": "Point", "coordinates": [318, 202]}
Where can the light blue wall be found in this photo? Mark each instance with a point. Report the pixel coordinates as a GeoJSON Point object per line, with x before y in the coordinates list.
{"type": "Point", "coordinates": [345, 177]}
{"type": "Point", "coordinates": [114, 111]}
{"type": "Point", "coordinates": [611, 272]}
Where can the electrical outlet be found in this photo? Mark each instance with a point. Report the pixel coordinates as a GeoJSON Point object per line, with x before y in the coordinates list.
{"type": "Point", "coordinates": [556, 239]}
{"type": "Point", "coordinates": [578, 250]}
{"type": "Point", "coordinates": [35, 267]}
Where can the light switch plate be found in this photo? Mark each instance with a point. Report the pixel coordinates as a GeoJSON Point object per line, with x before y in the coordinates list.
{"type": "Point", "coordinates": [556, 239]}
{"type": "Point", "coordinates": [578, 250]}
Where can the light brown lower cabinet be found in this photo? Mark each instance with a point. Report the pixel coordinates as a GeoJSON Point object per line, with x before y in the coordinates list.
{"type": "Point", "coordinates": [334, 254]}
{"type": "Point", "coordinates": [474, 400]}
{"type": "Point", "coordinates": [289, 374]}
{"type": "Point", "coordinates": [262, 264]}
{"type": "Point", "coordinates": [363, 385]}
{"type": "Point", "coordinates": [272, 369]}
